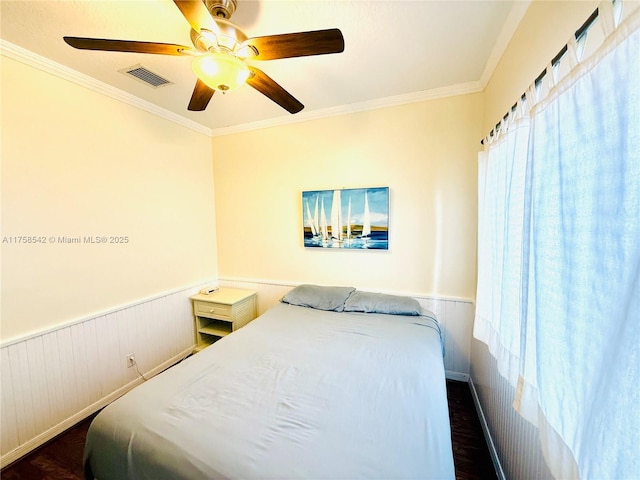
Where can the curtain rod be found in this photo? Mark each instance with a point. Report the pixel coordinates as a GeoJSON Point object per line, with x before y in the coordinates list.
{"type": "Point", "coordinates": [578, 34]}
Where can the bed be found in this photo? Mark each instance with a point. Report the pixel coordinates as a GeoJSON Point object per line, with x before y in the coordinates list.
{"type": "Point", "coordinates": [321, 386]}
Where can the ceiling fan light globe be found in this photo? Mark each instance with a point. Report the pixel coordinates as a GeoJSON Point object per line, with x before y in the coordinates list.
{"type": "Point", "coordinates": [220, 71]}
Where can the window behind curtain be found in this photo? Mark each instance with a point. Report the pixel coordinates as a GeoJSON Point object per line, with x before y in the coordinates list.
{"type": "Point", "coordinates": [558, 298]}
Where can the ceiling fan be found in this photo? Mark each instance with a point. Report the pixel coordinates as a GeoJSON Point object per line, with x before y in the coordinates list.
{"type": "Point", "coordinates": [221, 50]}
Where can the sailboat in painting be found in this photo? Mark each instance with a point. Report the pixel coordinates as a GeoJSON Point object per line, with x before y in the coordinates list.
{"type": "Point", "coordinates": [325, 231]}
{"type": "Point", "coordinates": [310, 222]}
{"type": "Point", "coordinates": [315, 217]}
{"type": "Point", "coordinates": [336, 219]}
{"type": "Point", "coordinates": [348, 236]}
{"type": "Point", "coordinates": [366, 221]}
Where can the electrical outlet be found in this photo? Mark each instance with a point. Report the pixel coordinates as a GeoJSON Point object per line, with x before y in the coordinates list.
{"type": "Point", "coordinates": [131, 360]}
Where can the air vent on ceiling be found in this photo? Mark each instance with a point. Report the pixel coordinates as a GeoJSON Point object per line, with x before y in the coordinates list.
{"type": "Point", "coordinates": [146, 76]}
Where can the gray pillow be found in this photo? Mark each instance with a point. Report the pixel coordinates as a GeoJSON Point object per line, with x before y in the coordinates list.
{"type": "Point", "coordinates": [318, 297]}
{"type": "Point", "coordinates": [369, 302]}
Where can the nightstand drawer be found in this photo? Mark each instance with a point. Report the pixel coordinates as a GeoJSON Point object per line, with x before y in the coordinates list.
{"type": "Point", "coordinates": [216, 310]}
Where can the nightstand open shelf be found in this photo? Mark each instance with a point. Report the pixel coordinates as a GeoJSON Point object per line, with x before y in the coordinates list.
{"type": "Point", "coordinates": [219, 329]}
{"type": "Point", "coordinates": [220, 313]}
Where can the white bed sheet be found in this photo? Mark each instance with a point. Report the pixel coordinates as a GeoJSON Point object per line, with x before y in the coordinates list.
{"type": "Point", "coordinates": [296, 394]}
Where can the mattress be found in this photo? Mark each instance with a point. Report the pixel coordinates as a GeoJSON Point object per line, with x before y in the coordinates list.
{"type": "Point", "coordinates": [298, 393]}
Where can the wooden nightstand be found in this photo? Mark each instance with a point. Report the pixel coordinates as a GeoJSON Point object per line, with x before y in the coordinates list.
{"type": "Point", "coordinates": [220, 313]}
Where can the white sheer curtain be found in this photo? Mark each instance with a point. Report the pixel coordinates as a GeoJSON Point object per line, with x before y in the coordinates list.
{"type": "Point", "coordinates": [577, 284]}
{"type": "Point", "coordinates": [501, 170]}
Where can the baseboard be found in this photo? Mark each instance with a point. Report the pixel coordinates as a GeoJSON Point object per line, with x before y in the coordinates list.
{"type": "Point", "coordinates": [487, 434]}
{"type": "Point", "coordinates": [56, 430]}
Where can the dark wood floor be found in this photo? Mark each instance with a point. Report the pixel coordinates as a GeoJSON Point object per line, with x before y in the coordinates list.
{"type": "Point", "coordinates": [61, 459]}
{"type": "Point", "coordinates": [470, 453]}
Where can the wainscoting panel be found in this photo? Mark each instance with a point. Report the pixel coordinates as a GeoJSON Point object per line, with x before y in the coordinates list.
{"type": "Point", "coordinates": [515, 440]}
{"type": "Point", "coordinates": [268, 293]}
{"type": "Point", "coordinates": [53, 379]}
{"type": "Point", "coordinates": [455, 317]}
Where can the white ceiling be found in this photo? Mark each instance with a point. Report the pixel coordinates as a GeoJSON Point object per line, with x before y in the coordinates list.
{"type": "Point", "coordinates": [395, 51]}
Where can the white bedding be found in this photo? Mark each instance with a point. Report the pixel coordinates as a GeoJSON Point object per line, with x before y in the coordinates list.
{"type": "Point", "coordinates": [296, 394]}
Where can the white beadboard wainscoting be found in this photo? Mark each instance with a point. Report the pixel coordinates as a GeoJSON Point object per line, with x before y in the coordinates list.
{"type": "Point", "coordinates": [511, 439]}
{"type": "Point", "coordinates": [53, 379]}
{"type": "Point", "coordinates": [455, 317]}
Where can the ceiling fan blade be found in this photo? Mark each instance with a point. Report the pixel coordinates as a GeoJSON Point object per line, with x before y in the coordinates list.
{"type": "Point", "coordinates": [197, 15]}
{"type": "Point", "coordinates": [287, 45]}
{"type": "Point", "coordinates": [269, 88]}
{"type": "Point", "coordinates": [126, 46]}
{"type": "Point", "coordinates": [200, 97]}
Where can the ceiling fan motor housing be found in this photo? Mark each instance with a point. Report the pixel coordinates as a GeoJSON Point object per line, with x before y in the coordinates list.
{"type": "Point", "coordinates": [226, 38]}
{"type": "Point", "coordinates": [221, 8]}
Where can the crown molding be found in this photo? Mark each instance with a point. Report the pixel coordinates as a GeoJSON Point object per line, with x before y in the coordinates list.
{"type": "Point", "coordinates": [387, 102]}
{"type": "Point", "coordinates": [41, 63]}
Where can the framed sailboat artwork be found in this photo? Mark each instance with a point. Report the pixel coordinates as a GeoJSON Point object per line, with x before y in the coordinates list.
{"type": "Point", "coordinates": [354, 218]}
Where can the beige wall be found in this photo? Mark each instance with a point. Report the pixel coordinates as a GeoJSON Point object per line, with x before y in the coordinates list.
{"type": "Point", "coordinates": [77, 163]}
{"type": "Point", "coordinates": [424, 152]}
